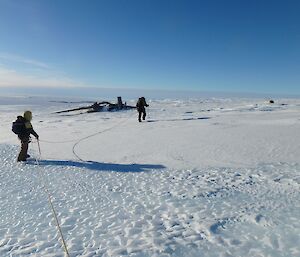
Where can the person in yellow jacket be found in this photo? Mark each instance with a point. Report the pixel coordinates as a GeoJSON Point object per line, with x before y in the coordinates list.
{"type": "Point", "coordinates": [24, 134]}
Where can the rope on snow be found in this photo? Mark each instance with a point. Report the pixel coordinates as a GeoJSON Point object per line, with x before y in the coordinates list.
{"type": "Point", "coordinates": [64, 245]}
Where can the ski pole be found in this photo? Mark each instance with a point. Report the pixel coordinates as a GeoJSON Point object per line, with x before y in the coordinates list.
{"type": "Point", "coordinates": [38, 141]}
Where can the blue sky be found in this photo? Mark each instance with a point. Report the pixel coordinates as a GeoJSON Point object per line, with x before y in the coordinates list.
{"type": "Point", "coordinates": [232, 45]}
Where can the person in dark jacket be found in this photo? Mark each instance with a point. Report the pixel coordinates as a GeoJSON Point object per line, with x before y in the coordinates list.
{"type": "Point", "coordinates": [25, 135]}
{"type": "Point", "coordinates": [140, 105]}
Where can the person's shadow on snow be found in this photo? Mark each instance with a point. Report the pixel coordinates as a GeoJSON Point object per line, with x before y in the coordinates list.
{"type": "Point", "coordinates": [99, 166]}
{"type": "Point", "coordinates": [184, 119]}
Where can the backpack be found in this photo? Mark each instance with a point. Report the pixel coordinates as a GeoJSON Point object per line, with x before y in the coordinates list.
{"type": "Point", "coordinates": [18, 126]}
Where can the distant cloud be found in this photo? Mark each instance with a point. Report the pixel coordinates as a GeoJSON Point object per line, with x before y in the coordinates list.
{"type": "Point", "coordinates": [31, 73]}
{"type": "Point", "coordinates": [13, 78]}
{"type": "Point", "coordinates": [20, 59]}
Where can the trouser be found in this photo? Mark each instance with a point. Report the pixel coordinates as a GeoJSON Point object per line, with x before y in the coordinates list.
{"type": "Point", "coordinates": [24, 148]}
{"type": "Point", "coordinates": [142, 113]}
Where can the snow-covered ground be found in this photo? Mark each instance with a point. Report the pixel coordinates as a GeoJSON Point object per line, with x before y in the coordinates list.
{"type": "Point", "coordinates": [214, 177]}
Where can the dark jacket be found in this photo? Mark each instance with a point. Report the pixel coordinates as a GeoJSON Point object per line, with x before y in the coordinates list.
{"type": "Point", "coordinates": [28, 130]}
{"type": "Point", "coordinates": [141, 104]}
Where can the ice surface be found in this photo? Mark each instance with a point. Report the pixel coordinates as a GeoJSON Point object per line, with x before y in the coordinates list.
{"type": "Point", "coordinates": [210, 177]}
